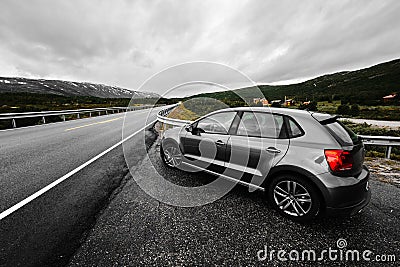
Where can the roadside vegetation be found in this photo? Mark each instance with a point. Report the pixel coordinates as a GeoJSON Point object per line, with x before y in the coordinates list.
{"type": "Point", "coordinates": [27, 102]}
{"type": "Point", "coordinates": [182, 113]}
{"type": "Point", "coordinates": [380, 112]}
{"type": "Point", "coordinates": [30, 102]}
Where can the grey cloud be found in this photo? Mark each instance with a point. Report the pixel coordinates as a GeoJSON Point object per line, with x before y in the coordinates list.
{"type": "Point", "coordinates": [124, 42]}
{"type": "Point", "coordinates": [141, 58]}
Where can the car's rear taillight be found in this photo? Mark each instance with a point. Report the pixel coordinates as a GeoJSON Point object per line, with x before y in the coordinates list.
{"type": "Point", "coordinates": [339, 160]}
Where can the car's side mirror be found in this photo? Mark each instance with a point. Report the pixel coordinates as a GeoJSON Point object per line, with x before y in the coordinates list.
{"type": "Point", "coordinates": [189, 128]}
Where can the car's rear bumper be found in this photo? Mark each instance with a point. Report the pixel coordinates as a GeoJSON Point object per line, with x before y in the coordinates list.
{"type": "Point", "coordinates": [350, 210]}
{"type": "Point", "coordinates": [347, 195]}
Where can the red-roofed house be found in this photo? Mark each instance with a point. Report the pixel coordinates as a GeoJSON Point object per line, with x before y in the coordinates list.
{"type": "Point", "coordinates": [389, 98]}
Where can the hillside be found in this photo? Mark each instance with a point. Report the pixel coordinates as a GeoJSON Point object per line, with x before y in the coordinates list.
{"type": "Point", "coordinates": [67, 88]}
{"type": "Point", "coordinates": [365, 86]}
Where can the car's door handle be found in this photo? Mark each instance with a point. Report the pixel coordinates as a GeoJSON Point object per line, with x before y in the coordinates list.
{"type": "Point", "coordinates": [273, 150]}
{"type": "Point", "coordinates": [219, 143]}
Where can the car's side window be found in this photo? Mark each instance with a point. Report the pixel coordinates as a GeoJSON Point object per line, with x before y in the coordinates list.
{"type": "Point", "coordinates": [294, 129]}
{"type": "Point", "coordinates": [261, 124]}
{"type": "Point", "coordinates": [217, 123]}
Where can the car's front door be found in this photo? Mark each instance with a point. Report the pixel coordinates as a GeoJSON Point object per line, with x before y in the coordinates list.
{"type": "Point", "coordinates": [206, 144]}
{"type": "Point", "coordinates": [258, 143]}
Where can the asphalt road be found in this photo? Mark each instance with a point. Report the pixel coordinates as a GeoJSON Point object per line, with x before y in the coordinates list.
{"type": "Point", "coordinates": [48, 229]}
{"type": "Point", "coordinates": [137, 230]}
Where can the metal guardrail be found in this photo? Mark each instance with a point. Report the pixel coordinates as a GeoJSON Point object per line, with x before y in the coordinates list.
{"type": "Point", "coordinates": [161, 117]}
{"type": "Point", "coordinates": [43, 114]}
{"type": "Point", "coordinates": [388, 141]}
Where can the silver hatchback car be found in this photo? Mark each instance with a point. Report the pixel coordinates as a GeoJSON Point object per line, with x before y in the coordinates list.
{"type": "Point", "coordinates": [306, 163]}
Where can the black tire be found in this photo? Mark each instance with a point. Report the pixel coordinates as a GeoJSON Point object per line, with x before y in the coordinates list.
{"type": "Point", "coordinates": [294, 197]}
{"type": "Point", "coordinates": [171, 155]}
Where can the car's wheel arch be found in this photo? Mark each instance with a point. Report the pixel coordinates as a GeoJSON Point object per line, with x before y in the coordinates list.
{"type": "Point", "coordinates": [300, 172]}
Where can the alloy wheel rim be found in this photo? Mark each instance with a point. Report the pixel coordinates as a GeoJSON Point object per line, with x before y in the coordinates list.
{"type": "Point", "coordinates": [292, 198]}
{"type": "Point", "coordinates": [172, 156]}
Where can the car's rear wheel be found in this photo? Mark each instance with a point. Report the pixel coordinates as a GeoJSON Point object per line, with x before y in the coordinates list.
{"type": "Point", "coordinates": [294, 197]}
{"type": "Point", "coordinates": [171, 155]}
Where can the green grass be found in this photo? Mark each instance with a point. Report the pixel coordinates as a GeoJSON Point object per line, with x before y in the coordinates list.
{"type": "Point", "coordinates": [366, 112]}
{"type": "Point", "coordinates": [182, 113]}
{"type": "Point", "coordinates": [367, 129]}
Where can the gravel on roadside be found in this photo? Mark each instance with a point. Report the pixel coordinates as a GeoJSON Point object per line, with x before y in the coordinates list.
{"type": "Point", "coordinates": [384, 170]}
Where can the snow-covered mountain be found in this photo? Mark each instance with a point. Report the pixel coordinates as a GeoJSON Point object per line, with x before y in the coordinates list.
{"type": "Point", "coordinates": [67, 88]}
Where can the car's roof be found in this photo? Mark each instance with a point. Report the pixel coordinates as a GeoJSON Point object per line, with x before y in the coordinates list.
{"type": "Point", "coordinates": [285, 111]}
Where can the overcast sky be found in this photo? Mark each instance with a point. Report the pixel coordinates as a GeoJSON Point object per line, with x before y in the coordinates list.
{"type": "Point", "coordinates": [123, 43]}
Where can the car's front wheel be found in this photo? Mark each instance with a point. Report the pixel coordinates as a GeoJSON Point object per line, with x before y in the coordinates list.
{"type": "Point", "coordinates": [171, 154]}
{"type": "Point", "coordinates": [294, 197]}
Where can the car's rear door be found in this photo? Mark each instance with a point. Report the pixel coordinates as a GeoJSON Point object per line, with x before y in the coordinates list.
{"type": "Point", "coordinates": [257, 143]}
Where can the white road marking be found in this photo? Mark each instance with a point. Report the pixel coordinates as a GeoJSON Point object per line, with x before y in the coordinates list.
{"type": "Point", "coordinates": [66, 176]}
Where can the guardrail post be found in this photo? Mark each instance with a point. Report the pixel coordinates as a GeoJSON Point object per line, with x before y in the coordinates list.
{"type": "Point", "coordinates": [43, 120]}
{"type": "Point", "coordinates": [63, 117]}
{"type": "Point", "coordinates": [162, 130]}
{"type": "Point", "coordinates": [388, 151]}
{"type": "Point", "coordinates": [78, 116]}
{"type": "Point", "coordinates": [106, 112]}
{"type": "Point", "coordinates": [99, 113]}
{"type": "Point", "coordinates": [90, 114]}
{"type": "Point", "coordinates": [14, 124]}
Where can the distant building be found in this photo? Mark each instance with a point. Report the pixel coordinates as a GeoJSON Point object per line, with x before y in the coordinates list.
{"type": "Point", "coordinates": [288, 102]}
{"type": "Point", "coordinates": [306, 102]}
{"type": "Point", "coordinates": [262, 100]}
{"type": "Point", "coordinates": [389, 98]}
{"type": "Point", "coordinates": [278, 101]}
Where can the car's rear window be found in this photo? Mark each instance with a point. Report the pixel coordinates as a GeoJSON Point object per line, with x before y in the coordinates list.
{"type": "Point", "coordinates": [294, 129]}
{"type": "Point", "coordinates": [342, 133]}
